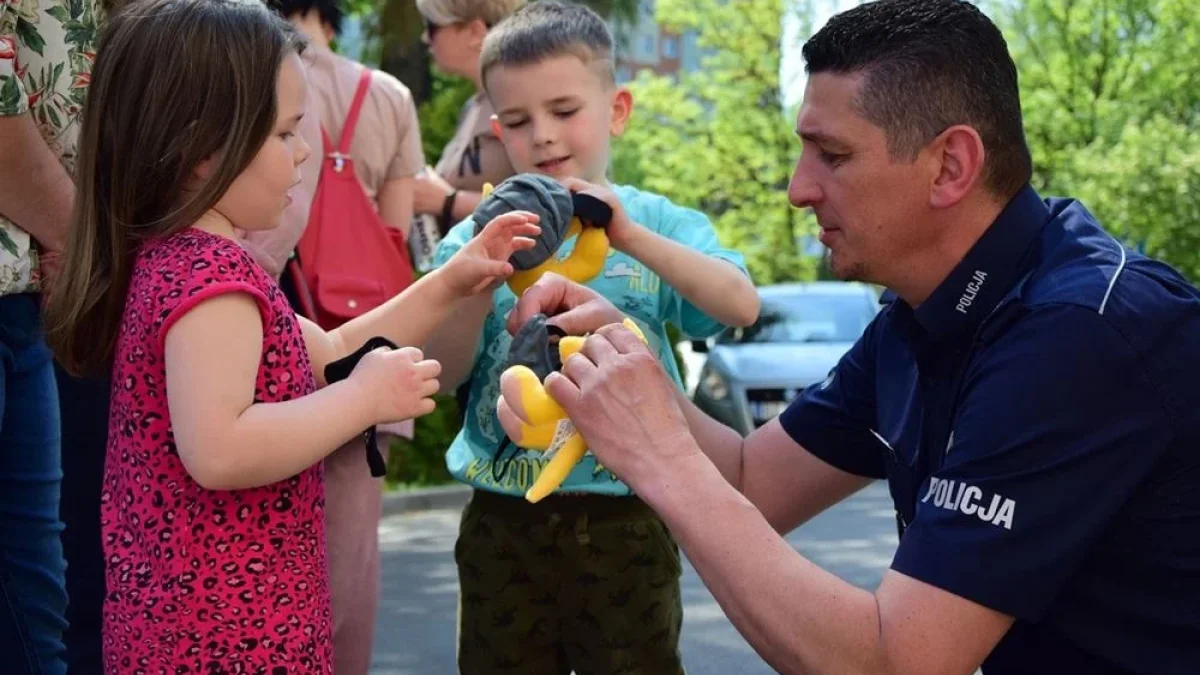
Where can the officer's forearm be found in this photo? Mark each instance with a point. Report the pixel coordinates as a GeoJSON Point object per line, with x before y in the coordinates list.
{"type": "Point", "coordinates": [722, 445]}
{"type": "Point", "coordinates": [798, 617]}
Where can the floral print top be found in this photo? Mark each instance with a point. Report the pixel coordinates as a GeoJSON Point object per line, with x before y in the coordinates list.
{"type": "Point", "coordinates": [46, 52]}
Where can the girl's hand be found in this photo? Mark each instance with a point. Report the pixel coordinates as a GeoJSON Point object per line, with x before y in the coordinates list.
{"type": "Point", "coordinates": [483, 261]}
{"type": "Point", "coordinates": [400, 383]}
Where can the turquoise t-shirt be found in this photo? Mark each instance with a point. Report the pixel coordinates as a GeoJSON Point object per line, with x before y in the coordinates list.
{"type": "Point", "coordinates": [629, 285]}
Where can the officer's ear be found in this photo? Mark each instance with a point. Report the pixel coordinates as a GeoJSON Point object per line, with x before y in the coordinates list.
{"type": "Point", "coordinates": [956, 159]}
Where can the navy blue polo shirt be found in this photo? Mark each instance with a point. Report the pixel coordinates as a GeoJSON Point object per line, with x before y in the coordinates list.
{"type": "Point", "coordinates": [1038, 422]}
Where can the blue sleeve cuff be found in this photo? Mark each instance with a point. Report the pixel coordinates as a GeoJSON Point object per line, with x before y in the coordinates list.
{"type": "Point", "coordinates": [842, 446]}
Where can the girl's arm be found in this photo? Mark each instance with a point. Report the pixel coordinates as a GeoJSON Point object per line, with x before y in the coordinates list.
{"type": "Point", "coordinates": [411, 317]}
{"type": "Point", "coordinates": [228, 442]}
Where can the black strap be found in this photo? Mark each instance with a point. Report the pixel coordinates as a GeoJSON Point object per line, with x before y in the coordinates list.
{"type": "Point", "coordinates": [555, 355]}
{"type": "Point", "coordinates": [340, 370]}
{"type": "Point", "coordinates": [591, 210]}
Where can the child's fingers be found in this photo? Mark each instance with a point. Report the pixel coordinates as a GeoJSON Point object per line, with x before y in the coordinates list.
{"type": "Point", "coordinates": [427, 369]}
{"type": "Point", "coordinates": [575, 184]}
{"type": "Point", "coordinates": [412, 353]}
{"type": "Point", "coordinates": [428, 388]}
{"type": "Point", "coordinates": [526, 229]}
{"type": "Point", "coordinates": [425, 406]}
{"type": "Point", "coordinates": [522, 243]}
{"type": "Point", "coordinates": [495, 268]}
{"type": "Point", "coordinates": [510, 220]}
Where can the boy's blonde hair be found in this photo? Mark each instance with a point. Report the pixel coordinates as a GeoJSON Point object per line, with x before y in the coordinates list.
{"type": "Point", "coordinates": [545, 29]}
{"type": "Point", "coordinates": [446, 12]}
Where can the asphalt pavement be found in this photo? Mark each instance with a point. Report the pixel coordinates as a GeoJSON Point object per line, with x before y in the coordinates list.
{"type": "Point", "coordinates": [415, 631]}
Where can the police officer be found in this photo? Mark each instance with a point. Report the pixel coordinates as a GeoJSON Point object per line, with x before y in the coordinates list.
{"type": "Point", "coordinates": [1029, 392]}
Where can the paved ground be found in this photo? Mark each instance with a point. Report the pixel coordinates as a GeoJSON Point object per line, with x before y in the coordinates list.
{"type": "Point", "coordinates": [415, 631]}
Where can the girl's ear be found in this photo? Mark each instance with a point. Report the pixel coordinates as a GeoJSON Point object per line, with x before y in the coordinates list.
{"type": "Point", "coordinates": [201, 174]}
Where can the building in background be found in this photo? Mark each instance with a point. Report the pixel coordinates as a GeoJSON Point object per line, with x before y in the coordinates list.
{"type": "Point", "coordinates": [645, 45]}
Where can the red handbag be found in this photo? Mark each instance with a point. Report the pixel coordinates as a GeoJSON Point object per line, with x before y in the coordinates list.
{"type": "Point", "coordinates": [350, 260]}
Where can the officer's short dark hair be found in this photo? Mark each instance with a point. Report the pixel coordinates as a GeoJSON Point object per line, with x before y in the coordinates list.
{"type": "Point", "coordinates": [929, 65]}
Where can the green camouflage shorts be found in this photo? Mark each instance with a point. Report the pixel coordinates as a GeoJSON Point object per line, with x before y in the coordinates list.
{"type": "Point", "coordinates": [582, 582]}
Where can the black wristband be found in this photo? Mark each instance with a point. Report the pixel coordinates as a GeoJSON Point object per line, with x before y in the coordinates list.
{"type": "Point", "coordinates": [448, 210]}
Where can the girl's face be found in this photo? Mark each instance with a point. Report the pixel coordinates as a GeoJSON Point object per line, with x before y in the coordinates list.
{"type": "Point", "coordinates": [258, 196]}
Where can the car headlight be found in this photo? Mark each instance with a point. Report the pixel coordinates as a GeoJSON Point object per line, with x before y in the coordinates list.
{"type": "Point", "coordinates": [713, 385]}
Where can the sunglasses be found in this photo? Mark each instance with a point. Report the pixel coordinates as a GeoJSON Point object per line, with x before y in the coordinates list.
{"type": "Point", "coordinates": [430, 28]}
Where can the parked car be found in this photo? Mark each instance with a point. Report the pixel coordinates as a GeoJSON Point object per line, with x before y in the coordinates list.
{"type": "Point", "coordinates": [752, 373]}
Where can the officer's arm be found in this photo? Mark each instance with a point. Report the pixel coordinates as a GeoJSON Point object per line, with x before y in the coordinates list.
{"type": "Point", "coordinates": [785, 482]}
{"type": "Point", "coordinates": [797, 616]}
{"type": "Point", "coordinates": [1032, 482]}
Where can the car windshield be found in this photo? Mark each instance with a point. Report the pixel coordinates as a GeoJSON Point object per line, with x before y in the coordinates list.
{"type": "Point", "coordinates": [806, 318]}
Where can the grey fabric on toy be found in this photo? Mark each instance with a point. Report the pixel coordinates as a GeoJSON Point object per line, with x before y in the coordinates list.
{"type": "Point", "coordinates": [532, 347]}
{"type": "Point", "coordinates": [537, 194]}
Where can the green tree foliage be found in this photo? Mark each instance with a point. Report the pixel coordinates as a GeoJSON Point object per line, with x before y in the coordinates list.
{"type": "Point", "coordinates": [1111, 95]}
{"type": "Point", "coordinates": [719, 139]}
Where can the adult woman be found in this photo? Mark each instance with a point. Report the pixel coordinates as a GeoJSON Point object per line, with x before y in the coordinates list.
{"type": "Point", "coordinates": [454, 32]}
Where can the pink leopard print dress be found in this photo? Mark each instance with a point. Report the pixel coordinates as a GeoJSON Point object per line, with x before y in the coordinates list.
{"type": "Point", "coordinates": [199, 581]}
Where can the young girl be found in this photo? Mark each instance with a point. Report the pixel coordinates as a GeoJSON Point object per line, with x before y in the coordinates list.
{"type": "Point", "coordinates": [212, 504]}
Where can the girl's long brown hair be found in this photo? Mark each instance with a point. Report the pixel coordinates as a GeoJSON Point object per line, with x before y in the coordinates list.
{"type": "Point", "coordinates": [175, 82]}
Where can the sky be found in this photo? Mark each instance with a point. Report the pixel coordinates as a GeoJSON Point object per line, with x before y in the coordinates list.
{"type": "Point", "coordinates": [791, 72]}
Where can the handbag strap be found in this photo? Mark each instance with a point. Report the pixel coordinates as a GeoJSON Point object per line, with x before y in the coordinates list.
{"type": "Point", "coordinates": [364, 82]}
{"type": "Point", "coordinates": [360, 94]}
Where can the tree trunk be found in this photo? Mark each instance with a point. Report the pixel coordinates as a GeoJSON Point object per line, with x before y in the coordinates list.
{"type": "Point", "coordinates": [402, 53]}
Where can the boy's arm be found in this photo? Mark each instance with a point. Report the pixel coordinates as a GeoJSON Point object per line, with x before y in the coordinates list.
{"type": "Point", "coordinates": [688, 260]}
{"type": "Point", "coordinates": [715, 286]}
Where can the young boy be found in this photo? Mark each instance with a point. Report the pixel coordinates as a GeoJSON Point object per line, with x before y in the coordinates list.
{"type": "Point", "coordinates": [588, 578]}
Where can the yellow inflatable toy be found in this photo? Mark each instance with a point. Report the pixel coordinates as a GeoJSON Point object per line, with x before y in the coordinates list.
{"type": "Point", "coordinates": [585, 261]}
{"type": "Point", "coordinates": [563, 215]}
{"type": "Point", "coordinates": [537, 422]}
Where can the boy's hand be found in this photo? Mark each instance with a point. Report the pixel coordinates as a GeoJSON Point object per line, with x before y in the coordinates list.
{"type": "Point", "coordinates": [399, 383]}
{"type": "Point", "coordinates": [484, 259]}
{"type": "Point", "coordinates": [620, 228]}
{"type": "Point", "coordinates": [571, 306]}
